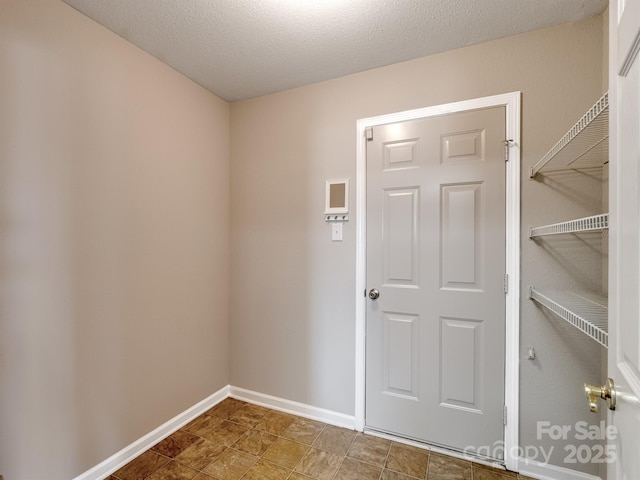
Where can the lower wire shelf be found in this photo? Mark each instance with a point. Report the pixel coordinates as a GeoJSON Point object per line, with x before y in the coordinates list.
{"type": "Point", "coordinates": [586, 224]}
{"type": "Point", "coordinates": [589, 313]}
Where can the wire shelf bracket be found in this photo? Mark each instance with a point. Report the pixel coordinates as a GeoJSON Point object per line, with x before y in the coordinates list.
{"type": "Point", "coordinates": [585, 145]}
{"type": "Point", "coordinates": [587, 313]}
{"type": "Point", "coordinates": [586, 224]}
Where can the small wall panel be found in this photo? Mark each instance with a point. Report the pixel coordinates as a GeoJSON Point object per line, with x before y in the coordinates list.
{"type": "Point", "coordinates": [460, 357]}
{"type": "Point", "coordinates": [400, 155]}
{"type": "Point", "coordinates": [400, 237]}
{"type": "Point", "coordinates": [463, 146]}
{"type": "Point", "coordinates": [460, 236]}
{"type": "Point", "coordinates": [400, 354]}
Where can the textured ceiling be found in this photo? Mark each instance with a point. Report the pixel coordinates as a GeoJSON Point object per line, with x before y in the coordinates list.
{"type": "Point", "coordinates": [240, 49]}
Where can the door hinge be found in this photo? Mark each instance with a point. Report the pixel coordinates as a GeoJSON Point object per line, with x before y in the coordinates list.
{"type": "Point", "coordinates": [506, 283]}
{"type": "Point", "coordinates": [507, 144]}
{"type": "Point", "coordinates": [368, 133]}
{"type": "Point", "coordinates": [504, 415]}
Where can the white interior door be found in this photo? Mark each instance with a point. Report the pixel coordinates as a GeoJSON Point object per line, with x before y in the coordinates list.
{"type": "Point", "coordinates": [624, 328]}
{"type": "Point", "coordinates": [435, 335]}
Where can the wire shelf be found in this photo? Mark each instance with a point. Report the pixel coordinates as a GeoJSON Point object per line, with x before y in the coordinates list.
{"type": "Point", "coordinates": [585, 145]}
{"type": "Point", "coordinates": [586, 224]}
{"type": "Point", "coordinates": [589, 313]}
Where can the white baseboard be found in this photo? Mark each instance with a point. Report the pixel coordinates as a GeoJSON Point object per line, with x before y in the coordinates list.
{"type": "Point", "coordinates": [296, 408]}
{"type": "Point", "coordinates": [128, 453]}
{"type": "Point", "coordinates": [544, 471]}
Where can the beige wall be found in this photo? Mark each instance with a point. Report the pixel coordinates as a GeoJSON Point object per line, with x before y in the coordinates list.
{"type": "Point", "coordinates": [293, 289]}
{"type": "Point", "coordinates": [113, 242]}
{"type": "Point", "coordinates": [114, 224]}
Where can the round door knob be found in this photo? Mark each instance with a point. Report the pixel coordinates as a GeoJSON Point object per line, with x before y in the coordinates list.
{"type": "Point", "coordinates": [373, 294]}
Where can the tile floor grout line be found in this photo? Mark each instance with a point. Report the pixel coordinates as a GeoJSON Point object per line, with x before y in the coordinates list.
{"type": "Point", "coordinates": [338, 470]}
{"type": "Point", "coordinates": [307, 452]}
{"type": "Point", "coordinates": [386, 458]}
{"type": "Point", "coordinates": [345, 456]}
{"type": "Point", "coordinates": [426, 470]}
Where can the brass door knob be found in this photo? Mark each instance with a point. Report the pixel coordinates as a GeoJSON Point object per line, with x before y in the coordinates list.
{"type": "Point", "coordinates": [606, 392]}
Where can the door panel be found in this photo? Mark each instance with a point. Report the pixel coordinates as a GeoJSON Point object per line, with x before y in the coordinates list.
{"type": "Point", "coordinates": [460, 234]}
{"type": "Point", "coordinates": [401, 353]}
{"type": "Point", "coordinates": [436, 252]}
{"type": "Point", "coordinates": [624, 277]}
{"type": "Point", "coordinates": [400, 155]}
{"type": "Point", "coordinates": [400, 219]}
{"type": "Point", "coordinates": [460, 358]}
{"type": "Point", "coordinates": [463, 146]}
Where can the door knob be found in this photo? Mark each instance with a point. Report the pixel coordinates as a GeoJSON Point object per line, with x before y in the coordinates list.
{"type": "Point", "coordinates": [373, 294]}
{"type": "Point", "coordinates": [606, 392]}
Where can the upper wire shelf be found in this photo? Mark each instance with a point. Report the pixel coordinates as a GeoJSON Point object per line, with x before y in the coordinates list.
{"type": "Point", "coordinates": [585, 145]}
{"type": "Point", "coordinates": [586, 224]}
{"type": "Point", "coordinates": [589, 313]}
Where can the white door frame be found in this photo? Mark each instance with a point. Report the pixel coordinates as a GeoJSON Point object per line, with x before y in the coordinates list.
{"type": "Point", "coordinates": [511, 101]}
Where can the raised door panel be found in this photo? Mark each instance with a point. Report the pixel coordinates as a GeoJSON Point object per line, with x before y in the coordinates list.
{"type": "Point", "coordinates": [400, 237]}
{"type": "Point", "coordinates": [400, 354]}
{"type": "Point", "coordinates": [461, 381]}
{"type": "Point", "coordinates": [460, 232]}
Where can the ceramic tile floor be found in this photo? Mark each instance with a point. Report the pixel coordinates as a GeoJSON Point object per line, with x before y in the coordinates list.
{"type": "Point", "coordinates": [236, 440]}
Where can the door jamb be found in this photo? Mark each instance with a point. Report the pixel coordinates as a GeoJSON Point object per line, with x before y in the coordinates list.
{"type": "Point", "coordinates": [511, 102]}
